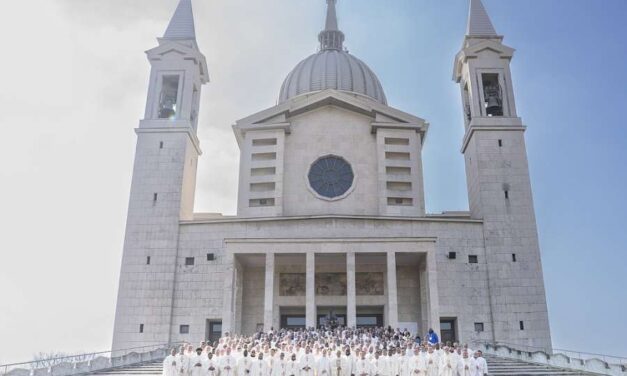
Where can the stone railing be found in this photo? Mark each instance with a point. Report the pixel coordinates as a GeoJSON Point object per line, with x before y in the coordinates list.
{"type": "Point", "coordinates": [86, 363]}
{"type": "Point", "coordinates": [565, 359]}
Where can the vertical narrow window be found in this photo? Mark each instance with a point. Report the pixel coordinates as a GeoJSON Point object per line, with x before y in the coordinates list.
{"type": "Point", "coordinates": [467, 101]}
{"type": "Point", "coordinates": [154, 198]}
{"type": "Point", "coordinates": [168, 97]}
{"type": "Point", "coordinates": [161, 145]}
{"type": "Point", "coordinates": [513, 257]}
{"type": "Point", "coordinates": [522, 325]}
{"type": "Point", "coordinates": [500, 143]}
{"type": "Point", "coordinates": [506, 194]}
{"type": "Point", "coordinates": [141, 328]}
{"type": "Point", "coordinates": [148, 260]}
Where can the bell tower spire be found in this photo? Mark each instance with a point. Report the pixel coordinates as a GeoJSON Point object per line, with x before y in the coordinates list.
{"type": "Point", "coordinates": [331, 38]}
{"type": "Point", "coordinates": [181, 25]}
{"type": "Point", "coordinates": [479, 23]}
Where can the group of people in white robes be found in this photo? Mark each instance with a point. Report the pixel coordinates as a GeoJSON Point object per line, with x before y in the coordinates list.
{"type": "Point", "coordinates": [324, 352]}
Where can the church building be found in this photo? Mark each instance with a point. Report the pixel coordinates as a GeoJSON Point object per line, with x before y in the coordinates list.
{"type": "Point", "coordinates": [331, 220]}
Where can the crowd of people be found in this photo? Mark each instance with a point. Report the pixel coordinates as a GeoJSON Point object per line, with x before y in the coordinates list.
{"type": "Point", "coordinates": [326, 352]}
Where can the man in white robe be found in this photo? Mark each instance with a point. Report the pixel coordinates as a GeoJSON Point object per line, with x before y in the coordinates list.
{"type": "Point", "coordinates": [227, 363]}
{"type": "Point", "coordinates": [379, 365]}
{"type": "Point", "coordinates": [432, 361]}
{"type": "Point", "coordinates": [341, 365]}
{"type": "Point", "coordinates": [362, 366]}
{"type": "Point", "coordinates": [448, 363]}
{"type": "Point", "coordinates": [244, 364]}
{"type": "Point", "coordinates": [279, 366]}
{"type": "Point", "coordinates": [416, 364]}
{"type": "Point", "coordinates": [466, 365]}
{"type": "Point", "coordinates": [307, 363]}
{"type": "Point", "coordinates": [198, 364]}
{"type": "Point", "coordinates": [183, 362]}
{"type": "Point", "coordinates": [260, 367]}
{"type": "Point", "coordinates": [323, 365]}
{"type": "Point", "coordinates": [293, 367]}
{"type": "Point", "coordinates": [170, 364]}
{"type": "Point", "coordinates": [212, 367]}
{"type": "Point", "coordinates": [481, 366]}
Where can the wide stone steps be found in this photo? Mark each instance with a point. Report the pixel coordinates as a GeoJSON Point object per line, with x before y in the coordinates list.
{"type": "Point", "coordinates": [154, 368]}
{"type": "Point", "coordinates": [502, 367]}
{"type": "Point", "coordinates": [496, 366]}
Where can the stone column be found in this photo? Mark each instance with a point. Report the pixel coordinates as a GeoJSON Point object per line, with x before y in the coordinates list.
{"type": "Point", "coordinates": [268, 306]}
{"type": "Point", "coordinates": [227, 300]}
{"type": "Point", "coordinates": [392, 291]}
{"type": "Point", "coordinates": [351, 299]}
{"type": "Point", "coordinates": [310, 303]}
{"type": "Point", "coordinates": [433, 305]}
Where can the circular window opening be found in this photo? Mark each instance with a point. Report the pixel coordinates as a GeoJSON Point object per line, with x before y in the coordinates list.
{"type": "Point", "coordinates": [331, 176]}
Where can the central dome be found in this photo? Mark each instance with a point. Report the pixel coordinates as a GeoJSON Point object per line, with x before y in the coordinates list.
{"type": "Point", "coordinates": [332, 68]}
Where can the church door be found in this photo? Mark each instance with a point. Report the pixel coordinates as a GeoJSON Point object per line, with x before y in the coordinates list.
{"type": "Point", "coordinates": [214, 330]}
{"type": "Point", "coordinates": [447, 328]}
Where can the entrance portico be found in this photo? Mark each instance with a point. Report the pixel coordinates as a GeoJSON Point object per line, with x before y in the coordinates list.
{"type": "Point", "coordinates": [278, 282]}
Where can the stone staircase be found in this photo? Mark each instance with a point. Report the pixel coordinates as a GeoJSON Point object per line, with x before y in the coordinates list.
{"type": "Point", "coordinates": [147, 369]}
{"type": "Point", "coordinates": [498, 366]}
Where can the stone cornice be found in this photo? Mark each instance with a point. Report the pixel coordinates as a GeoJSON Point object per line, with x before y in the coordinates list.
{"type": "Point", "coordinates": [474, 128]}
{"type": "Point", "coordinates": [330, 217]}
{"type": "Point", "coordinates": [188, 130]}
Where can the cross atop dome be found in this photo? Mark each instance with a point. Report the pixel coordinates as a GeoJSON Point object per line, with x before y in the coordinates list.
{"type": "Point", "coordinates": [181, 25]}
{"type": "Point", "coordinates": [479, 24]}
{"type": "Point", "coordinates": [331, 38]}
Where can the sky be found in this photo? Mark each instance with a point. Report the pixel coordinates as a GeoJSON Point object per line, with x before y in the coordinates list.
{"type": "Point", "coordinates": [74, 88]}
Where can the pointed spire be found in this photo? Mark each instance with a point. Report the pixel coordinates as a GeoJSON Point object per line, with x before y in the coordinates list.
{"type": "Point", "coordinates": [479, 23]}
{"type": "Point", "coordinates": [331, 23]}
{"type": "Point", "coordinates": [331, 38]}
{"type": "Point", "coordinates": [182, 23]}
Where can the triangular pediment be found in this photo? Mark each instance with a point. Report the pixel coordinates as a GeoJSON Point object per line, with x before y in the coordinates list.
{"type": "Point", "coordinates": [279, 116]}
{"type": "Point", "coordinates": [475, 49]}
{"type": "Point", "coordinates": [493, 45]}
{"type": "Point", "coordinates": [166, 47]}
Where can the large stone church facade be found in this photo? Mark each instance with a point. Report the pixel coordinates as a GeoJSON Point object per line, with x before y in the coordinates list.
{"type": "Point", "coordinates": [331, 217]}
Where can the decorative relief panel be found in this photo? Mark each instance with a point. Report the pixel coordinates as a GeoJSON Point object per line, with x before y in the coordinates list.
{"type": "Point", "coordinates": [331, 284]}
{"type": "Point", "coordinates": [292, 284]}
{"type": "Point", "coordinates": [369, 283]}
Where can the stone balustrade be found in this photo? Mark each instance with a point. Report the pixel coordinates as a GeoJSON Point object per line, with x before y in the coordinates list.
{"type": "Point", "coordinates": [99, 363]}
{"type": "Point", "coordinates": [588, 365]}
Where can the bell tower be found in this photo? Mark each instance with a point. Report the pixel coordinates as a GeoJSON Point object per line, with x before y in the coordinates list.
{"type": "Point", "coordinates": [163, 185]}
{"type": "Point", "coordinates": [499, 187]}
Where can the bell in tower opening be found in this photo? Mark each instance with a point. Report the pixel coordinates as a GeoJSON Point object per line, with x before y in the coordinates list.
{"type": "Point", "coordinates": [168, 97]}
{"type": "Point", "coordinates": [492, 94]}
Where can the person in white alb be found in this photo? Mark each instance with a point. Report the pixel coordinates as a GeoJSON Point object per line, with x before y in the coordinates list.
{"type": "Point", "coordinates": [260, 367]}
{"type": "Point", "coordinates": [227, 363]}
{"type": "Point", "coordinates": [379, 365]}
{"type": "Point", "coordinates": [198, 363]}
{"type": "Point", "coordinates": [481, 366]}
{"type": "Point", "coordinates": [307, 363]}
{"type": "Point", "coordinates": [279, 366]}
{"type": "Point", "coordinates": [293, 367]}
{"type": "Point", "coordinates": [244, 364]}
{"type": "Point", "coordinates": [170, 364]}
{"type": "Point", "coordinates": [466, 366]}
{"type": "Point", "coordinates": [323, 365]}
{"type": "Point", "coordinates": [362, 366]}
{"type": "Point", "coordinates": [211, 364]}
